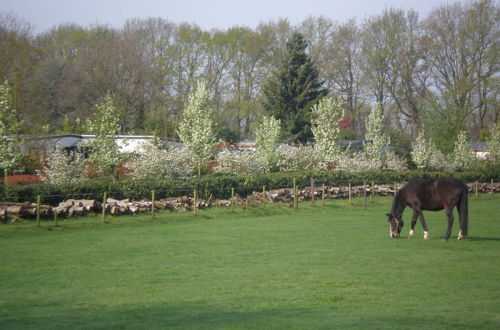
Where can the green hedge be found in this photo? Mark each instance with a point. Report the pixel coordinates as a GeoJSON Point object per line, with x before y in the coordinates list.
{"type": "Point", "coordinates": [217, 186]}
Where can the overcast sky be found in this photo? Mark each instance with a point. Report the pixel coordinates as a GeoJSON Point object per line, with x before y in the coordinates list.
{"type": "Point", "coordinates": [208, 14]}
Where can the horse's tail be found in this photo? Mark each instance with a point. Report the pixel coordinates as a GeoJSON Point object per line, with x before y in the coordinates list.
{"type": "Point", "coordinates": [464, 211]}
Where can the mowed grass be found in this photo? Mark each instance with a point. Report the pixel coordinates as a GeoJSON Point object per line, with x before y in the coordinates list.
{"type": "Point", "coordinates": [261, 268]}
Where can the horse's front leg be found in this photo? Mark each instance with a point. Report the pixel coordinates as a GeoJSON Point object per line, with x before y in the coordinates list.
{"type": "Point", "coordinates": [424, 225]}
{"type": "Point", "coordinates": [449, 214]}
{"type": "Point", "coordinates": [413, 222]}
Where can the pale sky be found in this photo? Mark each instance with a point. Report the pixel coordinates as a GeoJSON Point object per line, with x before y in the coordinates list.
{"type": "Point", "coordinates": [208, 14]}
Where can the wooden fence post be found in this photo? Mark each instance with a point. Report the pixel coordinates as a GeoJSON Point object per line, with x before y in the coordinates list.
{"type": "Point", "coordinates": [323, 196]}
{"type": "Point", "coordinates": [195, 202]}
{"type": "Point", "coordinates": [104, 200]}
{"type": "Point", "coordinates": [153, 203]}
{"type": "Point", "coordinates": [491, 187]}
{"type": "Point", "coordinates": [313, 200]}
{"type": "Point", "coordinates": [372, 188]}
{"type": "Point", "coordinates": [264, 195]}
{"type": "Point", "coordinates": [38, 202]}
{"type": "Point", "coordinates": [350, 194]}
{"type": "Point", "coordinates": [364, 193]}
{"type": "Point", "coordinates": [232, 198]}
{"type": "Point", "coordinates": [477, 188]}
{"type": "Point", "coordinates": [295, 192]}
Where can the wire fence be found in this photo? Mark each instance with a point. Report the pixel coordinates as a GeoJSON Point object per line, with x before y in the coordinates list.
{"type": "Point", "coordinates": [104, 203]}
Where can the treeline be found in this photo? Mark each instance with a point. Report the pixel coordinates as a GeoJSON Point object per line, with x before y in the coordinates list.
{"type": "Point", "coordinates": [427, 72]}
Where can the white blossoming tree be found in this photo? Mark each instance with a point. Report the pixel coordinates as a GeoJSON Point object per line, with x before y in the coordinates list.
{"type": "Point", "coordinates": [494, 145]}
{"type": "Point", "coordinates": [197, 128]}
{"type": "Point", "coordinates": [326, 115]}
{"type": "Point", "coordinates": [158, 162]}
{"type": "Point", "coordinates": [462, 157]}
{"type": "Point", "coordinates": [105, 152]}
{"type": "Point", "coordinates": [421, 152]}
{"type": "Point", "coordinates": [64, 168]}
{"type": "Point", "coordinates": [303, 158]}
{"type": "Point", "coordinates": [375, 137]}
{"type": "Point", "coordinates": [266, 139]}
{"type": "Point", "coordinates": [9, 157]}
{"type": "Point", "coordinates": [427, 156]}
{"type": "Point", "coordinates": [239, 162]}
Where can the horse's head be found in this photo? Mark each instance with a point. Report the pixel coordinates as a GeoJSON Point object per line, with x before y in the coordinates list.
{"type": "Point", "coordinates": [395, 225]}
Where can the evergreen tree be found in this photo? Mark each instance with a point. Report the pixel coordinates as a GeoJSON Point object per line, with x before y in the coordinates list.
{"type": "Point", "coordinates": [293, 89]}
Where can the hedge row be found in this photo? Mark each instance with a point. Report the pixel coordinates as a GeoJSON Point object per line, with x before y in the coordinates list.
{"type": "Point", "coordinates": [217, 186]}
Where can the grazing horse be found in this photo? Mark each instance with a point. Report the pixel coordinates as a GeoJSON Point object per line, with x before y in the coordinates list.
{"type": "Point", "coordinates": [421, 194]}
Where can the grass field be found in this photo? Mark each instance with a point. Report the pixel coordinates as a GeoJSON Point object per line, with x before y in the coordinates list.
{"type": "Point", "coordinates": [272, 268]}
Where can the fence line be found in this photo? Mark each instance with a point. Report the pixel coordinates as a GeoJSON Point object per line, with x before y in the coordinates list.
{"type": "Point", "coordinates": [194, 199]}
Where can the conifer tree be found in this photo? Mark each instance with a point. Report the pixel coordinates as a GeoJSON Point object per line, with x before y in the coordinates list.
{"type": "Point", "coordinates": [293, 88]}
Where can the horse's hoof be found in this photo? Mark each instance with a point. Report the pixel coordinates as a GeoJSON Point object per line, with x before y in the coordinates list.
{"type": "Point", "coordinates": [410, 234]}
{"type": "Point", "coordinates": [426, 235]}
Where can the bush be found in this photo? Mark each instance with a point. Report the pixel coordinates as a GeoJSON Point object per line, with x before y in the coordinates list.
{"type": "Point", "coordinates": [64, 168]}
{"type": "Point", "coordinates": [303, 158]}
{"type": "Point", "coordinates": [157, 162]}
{"type": "Point", "coordinates": [240, 162]}
{"type": "Point", "coordinates": [219, 186]}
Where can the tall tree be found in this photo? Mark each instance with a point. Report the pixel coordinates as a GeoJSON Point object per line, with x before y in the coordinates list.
{"type": "Point", "coordinates": [344, 70]}
{"type": "Point", "coordinates": [9, 156]}
{"type": "Point", "coordinates": [293, 89]}
{"type": "Point", "coordinates": [106, 126]}
{"type": "Point", "coordinates": [462, 48]}
{"type": "Point", "coordinates": [197, 129]}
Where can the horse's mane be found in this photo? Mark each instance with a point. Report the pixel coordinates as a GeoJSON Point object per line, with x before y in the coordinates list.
{"type": "Point", "coordinates": [396, 203]}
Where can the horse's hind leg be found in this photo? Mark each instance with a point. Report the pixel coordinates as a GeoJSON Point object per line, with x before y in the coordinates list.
{"type": "Point", "coordinates": [424, 225]}
{"type": "Point", "coordinates": [449, 213]}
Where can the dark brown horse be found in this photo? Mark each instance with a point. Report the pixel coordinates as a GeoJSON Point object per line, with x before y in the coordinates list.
{"type": "Point", "coordinates": [420, 195]}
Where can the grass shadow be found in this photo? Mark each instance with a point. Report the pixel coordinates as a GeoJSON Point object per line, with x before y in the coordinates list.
{"type": "Point", "coordinates": [476, 238]}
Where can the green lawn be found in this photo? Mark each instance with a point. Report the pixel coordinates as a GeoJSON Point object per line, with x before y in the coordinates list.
{"type": "Point", "coordinates": [272, 268]}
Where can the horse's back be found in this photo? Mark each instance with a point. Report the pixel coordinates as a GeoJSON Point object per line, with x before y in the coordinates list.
{"type": "Point", "coordinates": [434, 195]}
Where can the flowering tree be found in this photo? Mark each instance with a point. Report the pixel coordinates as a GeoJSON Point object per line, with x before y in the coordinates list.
{"type": "Point", "coordinates": [240, 162]}
{"type": "Point", "coordinates": [64, 168]}
{"type": "Point", "coordinates": [462, 157]}
{"type": "Point", "coordinates": [105, 152]}
{"type": "Point", "coordinates": [157, 162]}
{"type": "Point", "coordinates": [428, 156]}
{"type": "Point", "coordinates": [197, 128]}
{"type": "Point", "coordinates": [421, 152]}
{"type": "Point", "coordinates": [494, 145]}
{"type": "Point", "coordinates": [358, 162]}
{"type": "Point", "coordinates": [375, 136]}
{"type": "Point", "coordinates": [9, 157]}
{"type": "Point", "coordinates": [266, 139]}
{"type": "Point", "coordinates": [303, 158]}
{"type": "Point", "coordinates": [326, 116]}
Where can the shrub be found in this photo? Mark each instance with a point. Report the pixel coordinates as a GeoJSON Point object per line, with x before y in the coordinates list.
{"type": "Point", "coordinates": [239, 162]}
{"type": "Point", "coordinates": [358, 162]}
{"type": "Point", "coordinates": [64, 168]}
{"type": "Point", "coordinates": [302, 158]}
{"type": "Point", "coordinates": [156, 162]}
{"type": "Point", "coordinates": [394, 162]}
